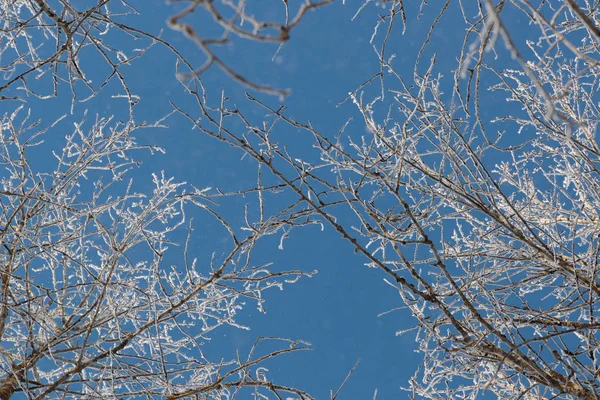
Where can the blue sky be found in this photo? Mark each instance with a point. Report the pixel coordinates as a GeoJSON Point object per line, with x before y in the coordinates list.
{"type": "Point", "coordinates": [336, 310]}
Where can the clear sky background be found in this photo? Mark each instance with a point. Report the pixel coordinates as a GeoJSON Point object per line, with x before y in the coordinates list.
{"type": "Point", "coordinates": [337, 310]}
{"type": "Point", "coordinates": [328, 56]}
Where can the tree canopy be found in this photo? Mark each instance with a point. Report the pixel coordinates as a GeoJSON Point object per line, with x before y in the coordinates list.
{"type": "Point", "coordinates": [469, 183]}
